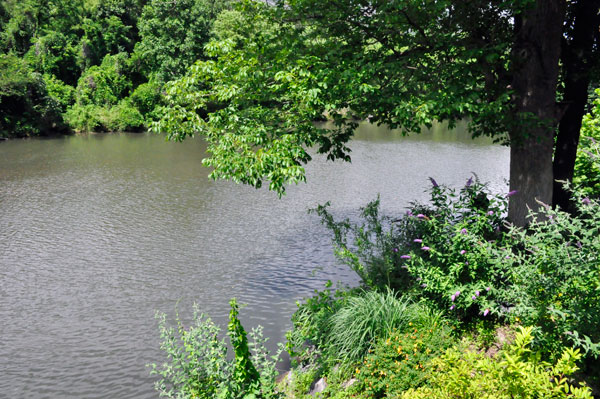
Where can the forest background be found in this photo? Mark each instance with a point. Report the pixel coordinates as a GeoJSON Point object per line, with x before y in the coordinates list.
{"type": "Point", "coordinates": [94, 65]}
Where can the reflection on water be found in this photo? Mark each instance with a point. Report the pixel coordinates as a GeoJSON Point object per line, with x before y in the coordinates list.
{"type": "Point", "coordinates": [97, 232]}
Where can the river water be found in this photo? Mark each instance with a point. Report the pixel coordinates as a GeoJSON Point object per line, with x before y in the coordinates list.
{"type": "Point", "coordinates": [98, 232]}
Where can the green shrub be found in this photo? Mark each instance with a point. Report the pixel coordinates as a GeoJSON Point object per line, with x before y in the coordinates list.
{"type": "Point", "coordinates": [516, 373]}
{"type": "Point", "coordinates": [555, 278]}
{"type": "Point", "coordinates": [587, 165]}
{"type": "Point", "coordinates": [198, 365]}
{"type": "Point", "coordinates": [94, 118]}
{"type": "Point", "coordinates": [310, 325]}
{"type": "Point", "coordinates": [105, 84]}
{"type": "Point", "coordinates": [439, 252]}
{"type": "Point", "coordinates": [60, 91]}
{"type": "Point", "coordinates": [400, 361]}
{"type": "Point", "coordinates": [26, 108]}
{"type": "Point", "coordinates": [125, 117]}
{"type": "Point", "coordinates": [146, 97]}
{"type": "Point", "coordinates": [84, 118]}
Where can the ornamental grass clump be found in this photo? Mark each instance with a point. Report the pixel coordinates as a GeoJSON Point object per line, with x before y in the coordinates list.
{"type": "Point", "coordinates": [363, 319]}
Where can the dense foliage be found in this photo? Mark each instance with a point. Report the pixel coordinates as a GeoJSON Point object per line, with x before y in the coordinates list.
{"type": "Point", "coordinates": [404, 64]}
{"type": "Point", "coordinates": [519, 373]}
{"type": "Point", "coordinates": [587, 163]}
{"type": "Point", "coordinates": [94, 65]}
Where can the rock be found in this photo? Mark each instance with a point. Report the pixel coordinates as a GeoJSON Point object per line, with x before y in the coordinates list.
{"type": "Point", "coordinates": [349, 383]}
{"type": "Point", "coordinates": [318, 386]}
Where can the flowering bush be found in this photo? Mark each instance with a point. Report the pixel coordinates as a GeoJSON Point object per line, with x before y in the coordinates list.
{"type": "Point", "coordinates": [444, 251]}
{"type": "Point", "coordinates": [452, 254]}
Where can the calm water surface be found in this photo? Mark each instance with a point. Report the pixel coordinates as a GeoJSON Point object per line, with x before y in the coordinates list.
{"type": "Point", "coordinates": [98, 232]}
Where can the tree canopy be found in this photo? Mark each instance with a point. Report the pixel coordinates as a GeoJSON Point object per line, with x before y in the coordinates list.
{"type": "Point", "coordinates": [400, 63]}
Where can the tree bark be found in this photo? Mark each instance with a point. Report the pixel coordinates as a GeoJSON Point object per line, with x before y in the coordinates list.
{"type": "Point", "coordinates": [536, 53]}
{"type": "Point", "coordinates": [577, 63]}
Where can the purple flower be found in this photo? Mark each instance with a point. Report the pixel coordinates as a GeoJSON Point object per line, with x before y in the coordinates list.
{"type": "Point", "coordinates": [485, 312]}
{"type": "Point", "coordinates": [490, 213]}
{"type": "Point", "coordinates": [452, 307]}
{"type": "Point", "coordinates": [418, 240]}
{"type": "Point", "coordinates": [467, 262]}
{"type": "Point", "coordinates": [457, 293]}
{"type": "Point", "coordinates": [462, 252]}
{"type": "Point", "coordinates": [409, 213]}
{"type": "Point", "coordinates": [463, 231]}
{"type": "Point", "coordinates": [405, 257]}
{"type": "Point", "coordinates": [507, 257]}
{"type": "Point", "coordinates": [579, 244]}
{"type": "Point", "coordinates": [488, 288]}
{"type": "Point", "coordinates": [452, 298]}
{"type": "Point", "coordinates": [469, 182]}
{"type": "Point", "coordinates": [473, 297]}
{"type": "Point", "coordinates": [477, 293]}
{"type": "Point", "coordinates": [586, 201]}
{"type": "Point", "coordinates": [433, 182]}
{"type": "Point", "coordinates": [425, 248]}
{"type": "Point", "coordinates": [395, 249]}
{"type": "Point", "coordinates": [424, 285]}
{"type": "Point", "coordinates": [511, 193]}
{"type": "Point", "coordinates": [421, 216]}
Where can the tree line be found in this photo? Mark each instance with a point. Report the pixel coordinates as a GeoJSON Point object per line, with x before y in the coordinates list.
{"type": "Point", "coordinates": [94, 65]}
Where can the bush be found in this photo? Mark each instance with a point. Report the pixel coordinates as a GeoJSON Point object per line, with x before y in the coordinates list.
{"type": "Point", "coordinates": [26, 108]}
{"type": "Point", "coordinates": [198, 366]}
{"type": "Point", "coordinates": [93, 118]}
{"type": "Point", "coordinates": [105, 84]}
{"type": "Point", "coordinates": [516, 373]}
{"type": "Point", "coordinates": [400, 361]}
{"type": "Point", "coordinates": [146, 97]}
{"type": "Point", "coordinates": [439, 252]}
{"type": "Point", "coordinates": [556, 276]}
{"type": "Point", "coordinates": [60, 91]}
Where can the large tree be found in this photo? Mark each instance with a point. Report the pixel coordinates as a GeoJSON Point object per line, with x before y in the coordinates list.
{"type": "Point", "coordinates": [403, 63]}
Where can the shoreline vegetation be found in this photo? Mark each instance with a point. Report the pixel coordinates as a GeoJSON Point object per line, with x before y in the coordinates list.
{"type": "Point", "coordinates": [453, 302]}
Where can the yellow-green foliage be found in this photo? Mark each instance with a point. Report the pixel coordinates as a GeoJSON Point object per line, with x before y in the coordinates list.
{"type": "Point", "coordinates": [516, 372]}
{"type": "Point", "coordinates": [400, 361]}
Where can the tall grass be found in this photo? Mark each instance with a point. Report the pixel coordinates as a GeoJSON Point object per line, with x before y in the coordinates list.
{"type": "Point", "coordinates": [365, 318]}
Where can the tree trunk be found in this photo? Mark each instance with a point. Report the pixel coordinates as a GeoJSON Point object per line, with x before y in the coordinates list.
{"type": "Point", "coordinates": [536, 54]}
{"type": "Point", "coordinates": [577, 62]}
